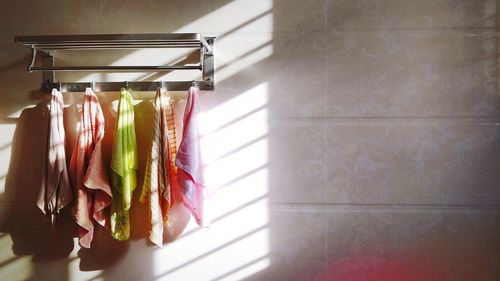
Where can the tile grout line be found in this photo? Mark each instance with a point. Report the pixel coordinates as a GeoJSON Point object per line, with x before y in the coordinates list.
{"type": "Point", "coordinates": [325, 139]}
{"type": "Point", "coordinates": [402, 117]}
{"type": "Point", "coordinates": [328, 207]}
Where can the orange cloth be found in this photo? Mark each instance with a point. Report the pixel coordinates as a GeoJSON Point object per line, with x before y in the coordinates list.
{"type": "Point", "coordinates": [172, 151]}
{"type": "Point", "coordinates": [160, 172]}
{"type": "Point", "coordinates": [55, 192]}
{"type": "Point", "coordinates": [88, 172]}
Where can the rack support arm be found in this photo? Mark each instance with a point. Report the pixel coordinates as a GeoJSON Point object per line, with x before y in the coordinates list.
{"type": "Point", "coordinates": [33, 57]}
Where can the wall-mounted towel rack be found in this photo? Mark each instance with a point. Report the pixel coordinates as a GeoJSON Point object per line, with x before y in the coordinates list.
{"type": "Point", "coordinates": [48, 44]}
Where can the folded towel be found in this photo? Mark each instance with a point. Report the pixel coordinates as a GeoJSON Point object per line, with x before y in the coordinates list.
{"type": "Point", "coordinates": [188, 159]}
{"type": "Point", "coordinates": [156, 191]}
{"type": "Point", "coordinates": [88, 172]}
{"type": "Point", "coordinates": [55, 192]}
{"type": "Point", "coordinates": [124, 167]}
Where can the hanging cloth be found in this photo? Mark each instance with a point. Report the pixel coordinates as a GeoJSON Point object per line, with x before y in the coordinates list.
{"type": "Point", "coordinates": [55, 192]}
{"type": "Point", "coordinates": [124, 166]}
{"type": "Point", "coordinates": [190, 172]}
{"type": "Point", "coordinates": [156, 190]}
{"type": "Point", "coordinates": [172, 151]}
{"type": "Point", "coordinates": [88, 173]}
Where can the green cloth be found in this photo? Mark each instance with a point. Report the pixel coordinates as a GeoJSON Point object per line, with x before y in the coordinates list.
{"type": "Point", "coordinates": [124, 167]}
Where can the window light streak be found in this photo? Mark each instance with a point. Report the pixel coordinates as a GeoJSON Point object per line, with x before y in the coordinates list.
{"type": "Point", "coordinates": [244, 220]}
{"type": "Point", "coordinates": [232, 214]}
{"type": "Point", "coordinates": [230, 15]}
{"type": "Point", "coordinates": [241, 25]}
{"type": "Point", "coordinates": [234, 108]}
{"type": "Point", "coordinates": [239, 163]}
{"type": "Point", "coordinates": [245, 59]}
{"type": "Point", "coordinates": [258, 19]}
{"type": "Point", "coordinates": [7, 133]}
{"type": "Point", "coordinates": [2, 185]}
{"type": "Point", "coordinates": [17, 114]}
{"type": "Point", "coordinates": [209, 162]}
{"type": "Point", "coordinates": [5, 243]}
{"type": "Point", "coordinates": [242, 56]}
{"type": "Point", "coordinates": [240, 208]}
{"type": "Point", "coordinates": [218, 260]}
{"type": "Point", "coordinates": [205, 240]}
{"type": "Point", "coordinates": [12, 265]}
{"type": "Point", "coordinates": [235, 144]}
{"type": "Point", "coordinates": [247, 130]}
{"type": "Point", "coordinates": [230, 122]}
{"type": "Point", "coordinates": [20, 268]}
{"type": "Point", "coordinates": [245, 270]}
{"type": "Point", "coordinates": [226, 213]}
{"type": "Point", "coordinates": [241, 192]}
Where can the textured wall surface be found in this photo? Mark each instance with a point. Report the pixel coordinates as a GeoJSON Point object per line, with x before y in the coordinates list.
{"type": "Point", "coordinates": [346, 140]}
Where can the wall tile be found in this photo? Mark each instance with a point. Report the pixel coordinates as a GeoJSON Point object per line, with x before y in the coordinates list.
{"type": "Point", "coordinates": [299, 15]}
{"type": "Point", "coordinates": [475, 165]}
{"type": "Point", "coordinates": [388, 164]}
{"type": "Point", "coordinates": [298, 76]}
{"type": "Point", "coordinates": [385, 244]}
{"type": "Point", "coordinates": [412, 162]}
{"type": "Point", "coordinates": [414, 73]}
{"type": "Point", "coordinates": [396, 14]}
{"type": "Point", "coordinates": [291, 66]}
{"type": "Point", "coordinates": [296, 164]}
{"type": "Point", "coordinates": [297, 245]}
{"type": "Point", "coordinates": [472, 245]}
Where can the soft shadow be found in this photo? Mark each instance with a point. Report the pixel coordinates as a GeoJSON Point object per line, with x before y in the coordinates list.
{"type": "Point", "coordinates": [104, 252]}
{"type": "Point", "coordinates": [20, 61]}
{"type": "Point", "coordinates": [30, 230]}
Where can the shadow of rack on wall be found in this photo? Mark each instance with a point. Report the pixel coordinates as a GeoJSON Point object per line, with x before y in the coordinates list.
{"type": "Point", "coordinates": [48, 44]}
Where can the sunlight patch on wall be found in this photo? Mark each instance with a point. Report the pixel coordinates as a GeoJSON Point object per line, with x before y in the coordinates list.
{"type": "Point", "coordinates": [229, 111]}
{"type": "Point", "coordinates": [239, 163]}
{"type": "Point", "coordinates": [232, 15]}
{"type": "Point", "coordinates": [239, 53]}
{"type": "Point", "coordinates": [7, 133]}
{"type": "Point", "coordinates": [236, 244]}
{"type": "Point", "coordinates": [17, 114]}
{"type": "Point", "coordinates": [13, 267]}
{"type": "Point", "coordinates": [232, 54]}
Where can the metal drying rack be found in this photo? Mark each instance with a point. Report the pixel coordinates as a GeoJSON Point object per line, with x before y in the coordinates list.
{"type": "Point", "coordinates": [48, 44]}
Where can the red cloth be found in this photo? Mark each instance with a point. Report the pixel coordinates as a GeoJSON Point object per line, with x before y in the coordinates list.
{"type": "Point", "coordinates": [188, 159]}
{"type": "Point", "coordinates": [88, 172]}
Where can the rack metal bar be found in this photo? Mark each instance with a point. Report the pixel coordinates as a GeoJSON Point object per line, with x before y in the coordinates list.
{"type": "Point", "coordinates": [96, 40]}
{"type": "Point", "coordinates": [132, 68]}
{"type": "Point", "coordinates": [113, 46]}
{"type": "Point", "coordinates": [135, 86]}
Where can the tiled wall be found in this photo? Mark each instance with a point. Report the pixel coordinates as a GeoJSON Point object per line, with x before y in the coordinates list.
{"type": "Point", "coordinates": [346, 140]}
